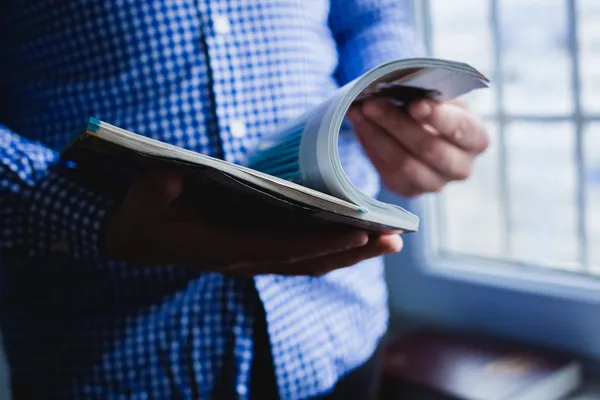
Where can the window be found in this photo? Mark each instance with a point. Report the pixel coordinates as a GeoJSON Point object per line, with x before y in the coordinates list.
{"type": "Point", "coordinates": [515, 250]}
{"type": "Point", "coordinates": [534, 198]}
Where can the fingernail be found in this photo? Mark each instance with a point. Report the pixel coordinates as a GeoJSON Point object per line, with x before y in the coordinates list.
{"type": "Point", "coordinates": [359, 240]}
{"type": "Point", "coordinates": [422, 110]}
{"type": "Point", "coordinates": [373, 108]}
{"type": "Point", "coordinates": [395, 245]}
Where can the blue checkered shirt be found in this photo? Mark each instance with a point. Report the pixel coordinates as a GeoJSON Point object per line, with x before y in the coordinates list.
{"type": "Point", "coordinates": [208, 75]}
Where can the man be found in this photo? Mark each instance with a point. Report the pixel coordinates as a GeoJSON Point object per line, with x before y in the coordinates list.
{"type": "Point", "coordinates": [114, 296]}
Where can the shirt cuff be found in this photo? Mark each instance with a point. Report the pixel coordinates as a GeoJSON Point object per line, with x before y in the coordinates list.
{"type": "Point", "coordinates": [66, 215]}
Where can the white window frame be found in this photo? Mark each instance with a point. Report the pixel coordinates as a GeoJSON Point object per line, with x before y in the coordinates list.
{"type": "Point", "coordinates": [521, 300]}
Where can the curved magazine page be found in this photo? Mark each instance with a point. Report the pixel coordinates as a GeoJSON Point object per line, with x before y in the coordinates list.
{"type": "Point", "coordinates": [400, 82]}
{"type": "Point", "coordinates": [305, 150]}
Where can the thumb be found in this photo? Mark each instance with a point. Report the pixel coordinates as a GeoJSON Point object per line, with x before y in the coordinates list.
{"type": "Point", "coordinates": [152, 194]}
{"type": "Point", "coordinates": [147, 198]}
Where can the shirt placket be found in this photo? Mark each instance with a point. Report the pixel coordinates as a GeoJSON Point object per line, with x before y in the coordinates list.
{"type": "Point", "coordinates": [226, 75]}
{"type": "Point", "coordinates": [221, 53]}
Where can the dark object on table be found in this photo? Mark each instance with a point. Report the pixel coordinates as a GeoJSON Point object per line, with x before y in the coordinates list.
{"type": "Point", "coordinates": [435, 365]}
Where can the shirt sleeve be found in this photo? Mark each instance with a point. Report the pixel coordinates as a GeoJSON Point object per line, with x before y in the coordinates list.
{"type": "Point", "coordinates": [44, 207]}
{"type": "Point", "coordinates": [371, 32]}
{"type": "Point", "coordinates": [368, 33]}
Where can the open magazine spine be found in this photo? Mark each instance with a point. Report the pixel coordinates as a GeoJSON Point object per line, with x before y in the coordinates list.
{"type": "Point", "coordinates": [151, 147]}
{"type": "Point", "coordinates": [114, 167]}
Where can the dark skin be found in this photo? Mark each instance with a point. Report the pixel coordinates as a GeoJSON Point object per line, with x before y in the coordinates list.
{"type": "Point", "coordinates": [151, 227]}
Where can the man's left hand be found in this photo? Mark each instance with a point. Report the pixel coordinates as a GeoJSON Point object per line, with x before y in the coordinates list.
{"type": "Point", "coordinates": [422, 150]}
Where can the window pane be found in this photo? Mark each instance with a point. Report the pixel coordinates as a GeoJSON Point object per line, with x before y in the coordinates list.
{"type": "Point", "coordinates": [463, 33]}
{"type": "Point", "coordinates": [592, 148]}
{"type": "Point", "coordinates": [536, 220]}
{"type": "Point", "coordinates": [542, 182]}
{"type": "Point", "coordinates": [471, 210]}
{"type": "Point", "coordinates": [589, 46]}
{"type": "Point", "coordinates": [535, 59]}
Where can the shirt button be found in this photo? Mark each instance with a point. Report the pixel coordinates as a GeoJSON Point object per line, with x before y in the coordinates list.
{"type": "Point", "coordinates": [237, 129]}
{"type": "Point", "coordinates": [242, 390]}
{"type": "Point", "coordinates": [221, 25]}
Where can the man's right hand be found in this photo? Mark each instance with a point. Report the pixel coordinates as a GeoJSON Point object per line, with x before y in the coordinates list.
{"type": "Point", "coordinates": [151, 227]}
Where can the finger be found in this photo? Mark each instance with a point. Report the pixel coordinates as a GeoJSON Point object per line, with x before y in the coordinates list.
{"type": "Point", "coordinates": [322, 265]}
{"type": "Point", "coordinates": [285, 246]}
{"type": "Point", "coordinates": [453, 122]}
{"type": "Point", "coordinates": [400, 171]}
{"type": "Point", "coordinates": [460, 103]}
{"type": "Point", "coordinates": [146, 200]}
{"type": "Point", "coordinates": [152, 193]}
{"type": "Point", "coordinates": [391, 243]}
{"type": "Point", "coordinates": [197, 244]}
{"type": "Point", "coordinates": [448, 160]}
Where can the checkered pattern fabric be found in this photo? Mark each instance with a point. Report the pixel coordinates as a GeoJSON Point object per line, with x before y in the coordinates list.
{"type": "Point", "coordinates": [213, 76]}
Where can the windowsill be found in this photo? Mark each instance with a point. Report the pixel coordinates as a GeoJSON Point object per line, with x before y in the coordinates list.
{"type": "Point", "coordinates": [523, 278]}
